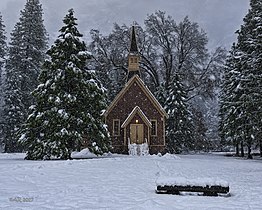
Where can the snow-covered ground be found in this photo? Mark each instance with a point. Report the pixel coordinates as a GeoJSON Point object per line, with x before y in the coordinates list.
{"type": "Point", "coordinates": [125, 182]}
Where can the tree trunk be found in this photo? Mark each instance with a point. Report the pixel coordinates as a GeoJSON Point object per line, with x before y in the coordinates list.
{"type": "Point", "coordinates": [237, 149]}
{"type": "Point", "coordinates": [249, 156]}
{"type": "Point", "coordinates": [242, 149]}
{"type": "Point", "coordinates": [260, 147]}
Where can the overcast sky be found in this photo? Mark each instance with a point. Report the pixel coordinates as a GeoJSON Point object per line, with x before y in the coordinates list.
{"type": "Point", "coordinates": [219, 18]}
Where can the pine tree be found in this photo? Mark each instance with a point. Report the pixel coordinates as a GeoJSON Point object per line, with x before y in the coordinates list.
{"type": "Point", "coordinates": [161, 95]}
{"type": "Point", "coordinates": [242, 107]}
{"type": "Point", "coordinates": [179, 123]}
{"type": "Point", "coordinates": [13, 113]}
{"type": "Point", "coordinates": [249, 43]}
{"type": "Point", "coordinates": [231, 91]}
{"type": "Point", "coordinates": [26, 55]}
{"type": "Point", "coordinates": [69, 101]}
{"type": "Point", "coordinates": [200, 140]}
{"type": "Point", "coordinates": [3, 49]}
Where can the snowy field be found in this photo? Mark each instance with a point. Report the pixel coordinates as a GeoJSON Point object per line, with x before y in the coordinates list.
{"type": "Point", "coordinates": [124, 182]}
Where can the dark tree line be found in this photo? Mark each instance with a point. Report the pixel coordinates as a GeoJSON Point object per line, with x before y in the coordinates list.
{"type": "Point", "coordinates": [25, 55]}
{"type": "Point", "coordinates": [175, 64]}
{"type": "Point", "coordinates": [52, 101]}
{"type": "Point", "coordinates": [241, 98]}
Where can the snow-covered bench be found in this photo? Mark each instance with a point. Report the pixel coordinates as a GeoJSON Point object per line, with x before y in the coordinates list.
{"type": "Point", "coordinates": [207, 186]}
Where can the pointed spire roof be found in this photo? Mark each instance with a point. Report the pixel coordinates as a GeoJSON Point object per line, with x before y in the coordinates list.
{"type": "Point", "coordinates": [133, 46]}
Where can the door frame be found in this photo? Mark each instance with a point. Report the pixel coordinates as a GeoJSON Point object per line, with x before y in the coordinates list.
{"type": "Point", "coordinates": [140, 137]}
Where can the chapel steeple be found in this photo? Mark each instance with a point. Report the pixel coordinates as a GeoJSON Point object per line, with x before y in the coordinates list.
{"type": "Point", "coordinates": [133, 56]}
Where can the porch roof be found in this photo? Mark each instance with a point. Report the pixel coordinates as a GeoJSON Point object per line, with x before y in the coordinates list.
{"type": "Point", "coordinates": [132, 114]}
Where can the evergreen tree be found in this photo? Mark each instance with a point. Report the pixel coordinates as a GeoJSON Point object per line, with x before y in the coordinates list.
{"type": "Point", "coordinates": [250, 102]}
{"type": "Point", "coordinates": [3, 49]}
{"type": "Point", "coordinates": [161, 95]}
{"type": "Point", "coordinates": [241, 108]}
{"type": "Point", "coordinates": [26, 55]}
{"type": "Point", "coordinates": [179, 123]}
{"type": "Point", "coordinates": [69, 101]}
{"type": "Point", "coordinates": [200, 140]}
{"type": "Point", "coordinates": [250, 44]}
{"type": "Point", "coordinates": [231, 91]}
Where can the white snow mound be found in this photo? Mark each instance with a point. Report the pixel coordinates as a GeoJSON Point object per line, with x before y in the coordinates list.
{"type": "Point", "coordinates": [84, 153]}
{"type": "Point", "coordinates": [182, 181]}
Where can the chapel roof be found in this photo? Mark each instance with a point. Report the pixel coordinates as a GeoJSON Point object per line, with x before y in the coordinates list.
{"type": "Point", "coordinates": [144, 88]}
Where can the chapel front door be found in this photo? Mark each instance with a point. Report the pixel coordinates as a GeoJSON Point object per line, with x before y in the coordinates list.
{"type": "Point", "coordinates": [137, 133]}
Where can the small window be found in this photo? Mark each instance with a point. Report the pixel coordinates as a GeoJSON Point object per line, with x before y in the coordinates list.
{"type": "Point", "coordinates": [154, 127]}
{"type": "Point", "coordinates": [116, 127]}
{"type": "Point", "coordinates": [135, 60]}
{"type": "Point", "coordinates": [131, 60]}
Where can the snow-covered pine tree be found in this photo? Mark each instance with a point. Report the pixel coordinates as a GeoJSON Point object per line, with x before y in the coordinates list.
{"type": "Point", "coordinates": [34, 43]}
{"type": "Point", "coordinates": [13, 112]}
{"type": "Point", "coordinates": [3, 49]}
{"type": "Point", "coordinates": [243, 118]}
{"type": "Point", "coordinates": [26, 55]}
{"type": "Point", "coordinates": [161, 94]}
{"type": "Point", "coordinates": [69, 101]}
{"type": "Point", "coordinates": [179, 126]}
{"type": "Point", "coordinates": [231, 91]}
{"type": "Point", "coordinates": [249, 43]}
{"type": "Point", "coordinates": [199, 131]}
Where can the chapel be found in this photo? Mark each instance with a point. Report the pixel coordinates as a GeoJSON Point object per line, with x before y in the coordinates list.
{"type": "Point", "coordinates": [135, 117]}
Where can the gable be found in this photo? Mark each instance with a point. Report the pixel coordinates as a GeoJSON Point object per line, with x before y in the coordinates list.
{"type": "Point", "coordinates": [135, 80]}
{"type": "Point", "coordinates": [135, 111]}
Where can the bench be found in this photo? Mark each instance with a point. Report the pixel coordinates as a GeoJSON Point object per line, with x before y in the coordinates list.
{"type": "Point", "coordinates": [209, 187]}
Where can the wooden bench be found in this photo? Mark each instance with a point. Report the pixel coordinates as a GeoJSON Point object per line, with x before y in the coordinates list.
{"type": "Point", "coordinates": [206, 186]}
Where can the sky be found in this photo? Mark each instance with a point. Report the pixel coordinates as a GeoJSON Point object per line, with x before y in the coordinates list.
{"type": "Point", "coordinates": [219, 18]}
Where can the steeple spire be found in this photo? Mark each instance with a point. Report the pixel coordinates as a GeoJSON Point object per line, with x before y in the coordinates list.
{"type": "Point", "coordinates": [133, 56]}
{"type": "Point", "coordinates": [133, 46]}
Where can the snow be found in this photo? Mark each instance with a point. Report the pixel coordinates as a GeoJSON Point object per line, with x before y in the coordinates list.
{"type": "Point", "coordinates": [212, 77]}
{"type": "Point", "coordinates": [138, 149]}
{"type": "Point", "coordinates": [125, 182]}
{"type": "Point", "coordinates": [85, 153]}
{"type": "Point", "coordinates": [84, 53]}
{"type": "Point", "coordinates": [182, 181]}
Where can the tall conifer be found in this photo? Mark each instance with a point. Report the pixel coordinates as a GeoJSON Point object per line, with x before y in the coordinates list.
{"type": "Point", "coordinates": [69, 101]}
{"type": "Point", "coordinates": [26, 54]}
{"type": "Point", "coordinates": [3, 49]}
{"type": "Point", "coordinates": [242, 106]}
{"type": "Point", "coordinates": [179, 123]}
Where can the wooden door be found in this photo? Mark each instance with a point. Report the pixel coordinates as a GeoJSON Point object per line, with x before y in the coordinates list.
{"type": "Point", "coordinates": [136, 133]}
